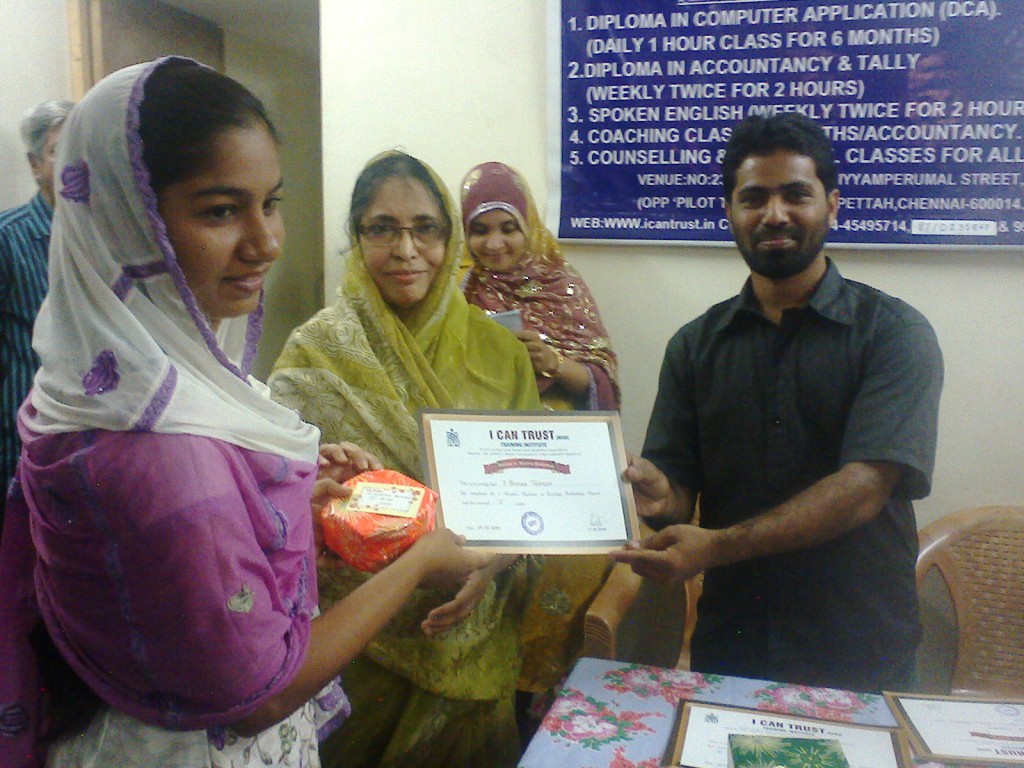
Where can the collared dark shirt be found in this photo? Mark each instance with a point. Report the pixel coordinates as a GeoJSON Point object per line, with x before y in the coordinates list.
{"type": "Point", "coordinates": [748, 414]}
{"type": "Point", "coordinates": [24, 243]}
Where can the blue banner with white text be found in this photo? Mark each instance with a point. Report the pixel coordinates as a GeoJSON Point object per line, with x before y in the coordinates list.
{"type": "Point", "coordinates": [924, 102]}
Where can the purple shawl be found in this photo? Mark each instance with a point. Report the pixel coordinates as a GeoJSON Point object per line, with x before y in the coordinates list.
{"type": "Point", "coordinates": [174, 573]}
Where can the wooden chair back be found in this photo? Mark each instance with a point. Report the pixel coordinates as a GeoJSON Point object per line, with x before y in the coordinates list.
{"type": "Point", "coordinates": [642, 622]}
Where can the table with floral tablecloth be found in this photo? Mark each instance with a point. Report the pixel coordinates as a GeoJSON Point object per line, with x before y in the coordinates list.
{"type": "Point", "coordinates": [614, 715]}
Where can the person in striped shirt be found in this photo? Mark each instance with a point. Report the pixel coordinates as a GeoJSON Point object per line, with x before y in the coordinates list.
{"type": "Point", "coordinates": [24, 242]}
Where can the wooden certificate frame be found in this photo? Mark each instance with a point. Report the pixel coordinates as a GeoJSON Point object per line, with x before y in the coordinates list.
{"type": "Point", "coordinates": [530, 482]}
{"type": "Point", "coordinates": [962, 730]}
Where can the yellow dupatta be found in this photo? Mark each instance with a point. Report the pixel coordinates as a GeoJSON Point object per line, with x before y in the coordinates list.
{"type": "Point", "coordinates": [360, 373]}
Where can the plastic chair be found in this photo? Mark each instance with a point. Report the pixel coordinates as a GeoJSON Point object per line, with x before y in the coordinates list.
{"type": "Point", "coordinates": [979, 555]}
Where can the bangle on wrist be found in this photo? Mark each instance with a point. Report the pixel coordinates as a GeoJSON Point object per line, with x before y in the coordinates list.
{"type": "Point", "coordinates": [558, 367]}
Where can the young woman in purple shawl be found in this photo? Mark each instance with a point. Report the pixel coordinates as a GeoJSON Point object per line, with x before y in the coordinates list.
{"type": "Point", "coordinates": [517, 265]}
{"type": "Point", "coordinates": [158, 597]}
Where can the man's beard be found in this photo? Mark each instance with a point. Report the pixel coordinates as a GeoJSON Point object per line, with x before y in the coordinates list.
{"type": "Point", "coordinates": [782, 263]}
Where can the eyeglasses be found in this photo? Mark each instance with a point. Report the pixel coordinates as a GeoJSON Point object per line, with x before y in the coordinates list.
{"type": "Point", "coordinates": [426, 234]}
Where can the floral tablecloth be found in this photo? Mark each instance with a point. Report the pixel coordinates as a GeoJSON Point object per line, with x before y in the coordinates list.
{"type": "Point", "coordinates": [614, 715]}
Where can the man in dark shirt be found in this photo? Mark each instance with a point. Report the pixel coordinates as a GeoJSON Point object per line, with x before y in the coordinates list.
{"type": "Point", "coordinates": [802, 414]}
{"type": "Point", "coordinates": [24, 243]}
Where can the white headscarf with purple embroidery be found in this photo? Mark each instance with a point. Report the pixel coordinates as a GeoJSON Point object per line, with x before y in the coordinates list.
{"type": "Point", "coordinates": [123, 344]}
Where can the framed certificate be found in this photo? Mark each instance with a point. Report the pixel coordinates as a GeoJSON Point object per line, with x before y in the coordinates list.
{"type": "Point", "coordinates": [530, 483]}
{"type": "Point", "coordinates": [712, 736]}
{"type": "Point", "coordinates": [952, 729]}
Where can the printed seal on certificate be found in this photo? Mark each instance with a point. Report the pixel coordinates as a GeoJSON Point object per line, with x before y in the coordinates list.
{"type": "Point", "coordinates": [533, 523]}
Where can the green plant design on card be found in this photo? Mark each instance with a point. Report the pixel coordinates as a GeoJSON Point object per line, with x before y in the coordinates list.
{"type": "Point", "coordinates": [784, 752]}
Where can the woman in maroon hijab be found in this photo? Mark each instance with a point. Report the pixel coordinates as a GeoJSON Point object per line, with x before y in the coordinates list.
{"type": "Point", "coordinates": [518, 265]}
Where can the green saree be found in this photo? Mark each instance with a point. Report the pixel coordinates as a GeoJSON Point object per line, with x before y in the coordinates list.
{"type": "Point", "coordinates": [360, 373]}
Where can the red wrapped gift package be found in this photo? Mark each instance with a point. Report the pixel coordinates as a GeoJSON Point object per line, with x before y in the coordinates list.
{"type": "Point", "coordinates": [385, 515]}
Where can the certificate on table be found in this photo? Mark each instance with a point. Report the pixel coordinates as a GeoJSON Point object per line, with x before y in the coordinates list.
{"type": "Point", "coordinates": [530, 483]}
{"type": "Point", "coordinates": [703, 738]}
{"type": "Point", "coordinates": [951, 729]}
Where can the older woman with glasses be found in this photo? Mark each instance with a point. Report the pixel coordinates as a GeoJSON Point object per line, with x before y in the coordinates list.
{"type": "Point", "coordinates": [436, 688]}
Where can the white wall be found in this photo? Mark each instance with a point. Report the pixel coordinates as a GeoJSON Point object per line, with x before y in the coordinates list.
{"type": "Point", "coordinates": [34, 60]}
{"type": "Point", "coordinates": [456, 84]}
